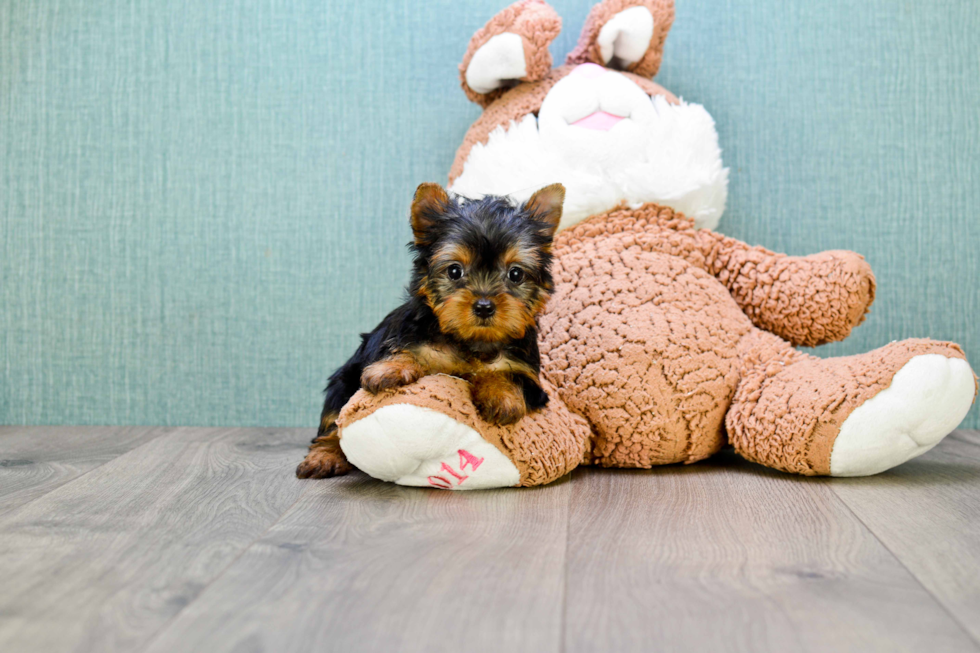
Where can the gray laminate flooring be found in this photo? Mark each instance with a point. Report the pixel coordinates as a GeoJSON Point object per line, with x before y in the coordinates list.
{"type": "Point", "coordinates": [201, 539]}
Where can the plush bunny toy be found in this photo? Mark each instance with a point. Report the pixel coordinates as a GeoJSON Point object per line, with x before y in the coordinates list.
{"type": "Point", "coordinates": [664, 341]}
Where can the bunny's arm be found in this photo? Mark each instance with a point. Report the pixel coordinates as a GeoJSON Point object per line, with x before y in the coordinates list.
{"type": "Point", "coordinates": [807, 300]}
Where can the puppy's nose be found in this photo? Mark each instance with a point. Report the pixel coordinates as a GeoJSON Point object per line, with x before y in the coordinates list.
{"type": "Point", "coordinates": [484, 308]}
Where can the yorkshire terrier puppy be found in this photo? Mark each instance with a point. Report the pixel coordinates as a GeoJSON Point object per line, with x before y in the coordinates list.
{"type": "Point", "coordinates": [481, 276]}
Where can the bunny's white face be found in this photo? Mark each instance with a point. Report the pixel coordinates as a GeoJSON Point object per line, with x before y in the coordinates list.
{"type": "Point", "coordinates": [608, 142]}
{"type": "Point", "coordinates": [607, 136]}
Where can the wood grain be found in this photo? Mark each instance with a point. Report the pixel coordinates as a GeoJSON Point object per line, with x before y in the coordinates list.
{"type": "Point", "coordinates": [103, 562]}
{"type": "Point", "coordinates": [37, 459]}
{"type": "Point", "coordinates": [927, 512]}
{"type": "Point", "coordinates": [358, 565]}
{"type": "Point", "coordinates": [202, 539]}
{"type": "Point", "coordinates": [727, 556]}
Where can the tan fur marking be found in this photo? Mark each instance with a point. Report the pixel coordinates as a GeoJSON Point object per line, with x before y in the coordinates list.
{"type": "Point", "coordinates": [398, 370]}
{"type": "Point", "coordinates": [538, 306]}
{"type": "Point", "coordinates": [504, 364]}
{"type": "Point", "coordinates": [455, 316]}
{"type": "Point", "coordinates": [454, 253]}
{"type": "Point", "coordinates": [546, 205]}
{"type": "Point", "coordinates": [325, 458]}
{"type": "Point", "coordinates": [526, 257]}
{"type": "Point", "coordinates": [328, 423]}
{"type": "Point", "coordinates": [499, 400]}
{"type": "Point", "coordinates": [441, 359]}
{"type": "Point", "coordinates": [429, 198]}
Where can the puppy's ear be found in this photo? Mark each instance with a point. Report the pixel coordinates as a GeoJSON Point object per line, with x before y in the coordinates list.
{"type": "Point", "coordinates": [545, 205]}
{"type": "Point", "coordinates": [512, 47]}
{"type": "Point", "coordinates": [430, 201]}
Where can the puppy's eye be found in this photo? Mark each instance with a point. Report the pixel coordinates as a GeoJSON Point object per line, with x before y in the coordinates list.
{"type": "Point", "coordinates": [455, 272]}
{"type": "Point", "coordinates": [515, 275]}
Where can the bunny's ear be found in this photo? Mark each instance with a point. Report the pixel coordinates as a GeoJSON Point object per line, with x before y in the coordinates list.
{"type": "Point", "coordinates": [512, 47]}
{"type": "Point", "coordinates": [625, 34]}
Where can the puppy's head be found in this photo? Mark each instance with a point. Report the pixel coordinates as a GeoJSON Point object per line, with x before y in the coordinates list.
{"type": "Point", "coordinates": [483, 266]}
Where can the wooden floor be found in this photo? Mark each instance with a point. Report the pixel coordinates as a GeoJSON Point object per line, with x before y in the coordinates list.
{"type": "Point", "coordinates": [163, 539]}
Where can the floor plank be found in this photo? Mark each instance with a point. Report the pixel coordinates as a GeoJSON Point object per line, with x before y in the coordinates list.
{"type": "Point", "coordinates": [728, 556]}
{"type": "Point", "coordinates": [927, 512]}
{"type": "Point", "coordinates": [103, 562]}
{"type": "Point", "coordinates": [37, 459]}
{"type": "Point", "coordinates": [359, 565]}
{"type": "Point", "coordinates": [201, 539]}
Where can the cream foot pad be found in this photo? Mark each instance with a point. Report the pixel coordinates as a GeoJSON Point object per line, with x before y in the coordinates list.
{"type": "Point", "coordinates": [410, 445]}
{"type": "Point", "coordinates": [926, 400]}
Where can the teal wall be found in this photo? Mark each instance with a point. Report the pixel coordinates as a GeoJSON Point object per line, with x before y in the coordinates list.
{"type": "Point", "coordinates": [202, 202]}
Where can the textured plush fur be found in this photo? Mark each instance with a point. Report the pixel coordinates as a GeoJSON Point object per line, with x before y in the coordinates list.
{"type": "Point", "coordinates": [480, 277]}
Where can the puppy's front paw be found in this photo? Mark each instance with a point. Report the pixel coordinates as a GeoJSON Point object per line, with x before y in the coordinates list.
{"type": "Point", "coordinates": [502, 411]}
{"type": "Point", "coordinates": [324, 460]}
{"type": "Point", "coordinates": [499, 400]}
{"type": "Point", "coordinates": [391, 373]}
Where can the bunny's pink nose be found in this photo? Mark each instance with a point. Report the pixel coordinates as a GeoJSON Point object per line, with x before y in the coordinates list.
{"type": "Point", "coordinates": [600, 121]}
{"type": "Point", "coordinates": [589, 70]}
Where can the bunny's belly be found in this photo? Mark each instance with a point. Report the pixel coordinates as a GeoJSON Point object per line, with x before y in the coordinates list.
{"type": "Point", "coordinates": [644, 345]}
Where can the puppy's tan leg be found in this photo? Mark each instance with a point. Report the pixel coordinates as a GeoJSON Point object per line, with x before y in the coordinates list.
{"type": "Point", "coordinates": [393, 372]}
{"type": "Point", "coordinates": [498, 398]}
{"type": "Point", "coordinates": [325, 458]}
